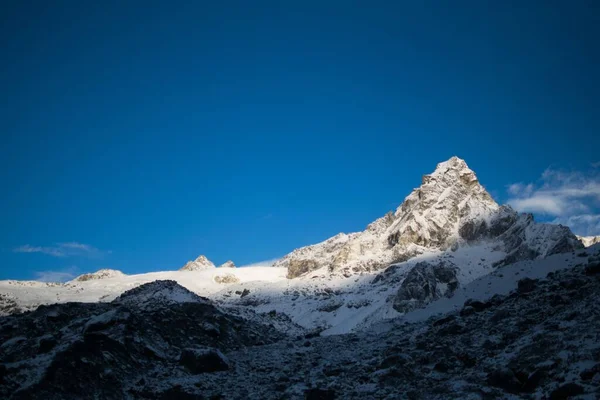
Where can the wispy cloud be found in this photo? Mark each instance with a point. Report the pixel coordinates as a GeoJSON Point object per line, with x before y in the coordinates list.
{"type": "Point", "coordinates": [61, 275]}
{"type": "Point", "coordinates": [571, 198]}
{"type": "Point", "coordinates": [596, 164]}
{"type": "Point", "coordinates": [67, 249]}
{"type": "Point", "coordinates": [265, 263]}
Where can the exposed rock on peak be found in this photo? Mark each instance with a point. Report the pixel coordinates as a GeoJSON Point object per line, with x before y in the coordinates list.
{"type": "Point", "coordinates": [449, 209]}
{"type": "Point", "coordinates": [227, 264]}
{"type": "Point", "coordinates": [198, 264]}
{"type": "Point", "coordinates": [100, 274]}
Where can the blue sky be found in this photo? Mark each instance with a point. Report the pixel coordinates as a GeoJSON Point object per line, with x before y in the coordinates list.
{"type": "Point", "coordinates": [137, 136]}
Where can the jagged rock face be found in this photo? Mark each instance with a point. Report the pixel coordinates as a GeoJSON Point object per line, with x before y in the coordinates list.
{"type": "Point", "coordinates": [425, 283]}
{"type": "Point", "coordinates": [100, 274]}
{"type": "Point", "coordinates": [450, 208]}
{"type": "Point", "coordinates": [100, 350]}
{"type": "Point", "coordinates": [198, 264]}
{"type": "Point", "coordinates": [588, 241]}
{"type": "Point", "coordinates": [227, 264]}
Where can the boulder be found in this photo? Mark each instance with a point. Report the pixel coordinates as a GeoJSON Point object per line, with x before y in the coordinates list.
{"type": "Point", "coordinates": [199, 361]}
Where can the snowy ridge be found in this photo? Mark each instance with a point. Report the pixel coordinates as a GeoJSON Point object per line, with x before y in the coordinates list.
{"type": "Point", "coordinates": [589, 240]}
{"type": "Point", "coordinates": [100, 274]}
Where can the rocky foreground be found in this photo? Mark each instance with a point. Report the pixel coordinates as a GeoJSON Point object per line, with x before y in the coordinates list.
{"type": "Point", "coordinates": [162, 341]}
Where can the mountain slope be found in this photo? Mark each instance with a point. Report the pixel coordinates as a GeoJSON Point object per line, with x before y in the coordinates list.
{"type": "Point", "coordinates": [159, 341]}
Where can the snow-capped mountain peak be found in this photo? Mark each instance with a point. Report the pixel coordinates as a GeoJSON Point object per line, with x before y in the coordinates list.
{"type": "Point", "coordinates": [200, 263]}
{"type": "Point", "coordinates": [450, 209]}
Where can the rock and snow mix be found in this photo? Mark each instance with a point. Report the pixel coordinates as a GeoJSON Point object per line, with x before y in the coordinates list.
{"type": "Point", "coordinates": [541, 340]}
{"type": "Point", "coordinates": [360, 315]}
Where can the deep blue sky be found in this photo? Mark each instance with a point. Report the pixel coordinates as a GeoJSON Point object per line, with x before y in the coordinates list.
{"type": "Point", "coordinates": [159, 131]}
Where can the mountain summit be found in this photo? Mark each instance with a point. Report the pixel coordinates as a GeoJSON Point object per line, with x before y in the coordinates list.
{"type": "Point", "coordinates": [198, 264]}
{"type": "Point", "coordinates": [450, 209]}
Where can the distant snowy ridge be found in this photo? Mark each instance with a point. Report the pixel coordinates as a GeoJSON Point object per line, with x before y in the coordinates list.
{"type": "Point", "coordinates": [589, 240]}
{"type": "Point", "coordinates": [100, 274]}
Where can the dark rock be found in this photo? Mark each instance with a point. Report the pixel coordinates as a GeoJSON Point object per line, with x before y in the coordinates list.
{"type": "Point", "coordinates": [466, 311]}
{"type": "Point", "coordinates": [588, 374]}
{"type": "Point", "coordinates": [566, 391]}
{"type": "Point", "coordinates": [332, 371]}
{"type": "Point", "coordinates": [534, 380]}
{"type": "Point", "coordinates": [505, 379]}
{"type": "Point", "coordinates": [453, 329]}
{"type": "Point", "coordinates": [199, 361]}
{"type": "Point", "coordinates": [245, 293]}
{"type": "Point", "coordinates": [394, 360]}
{"type": "Point", "coordinates": [500, 315]}
{"type": "Point", "coordinates": [319, 394]}
{"type": "Point", "coordinates": [179, 393]}
{"type": "Point", "coordinates": [46, 344]}
{"type": "Point", "coordinates": [467, 360]}
{"type": "Point", "coordinates": [423, 284]}
{"type": "Point", "coordinates": [444, 320]}
{"type": "Point", "coordinates": [441, 367]}
{"type": "Point", "coordinates": [526, 285]}
{"type": "Point", "coordinates": [473, 230]}
{"type": "Point", "coordinates": [477, 305]}
{"type": "Point", "coordinates": [592, 268]}
{"type": "Point", "coordinates": [574, 283]}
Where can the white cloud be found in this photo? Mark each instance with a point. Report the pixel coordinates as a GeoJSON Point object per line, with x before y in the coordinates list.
{"type": "Point", "coordinates": [52, 251]}
{"type": "Point", "coordinates": [62, 275]}
{"type": "Point", "coordinates": [265, 263]}
{"type": "Point", "coordinates": [67, 249]}
{"type": "Point", "coordinates": [572, 198]}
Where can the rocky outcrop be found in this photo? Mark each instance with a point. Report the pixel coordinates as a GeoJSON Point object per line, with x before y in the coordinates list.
{"type": "Point", "coordinates": [425, 283]}
{"type": "Point", "coordinates": [100, 274]}
{"type": "Point", "coordinates": [199, 264]}
{"type": "Point", "coordinates": [450, 208]}
{"type": "Point", "coordinates": [226, 278]}
{"type": "Point", "coordinates": [199, 361]}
